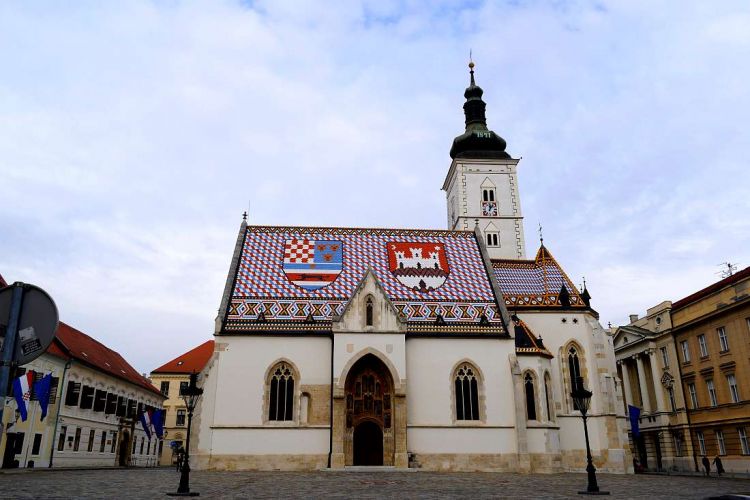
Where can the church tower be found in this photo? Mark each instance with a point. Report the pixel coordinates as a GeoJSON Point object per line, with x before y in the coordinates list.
{"type": "Point", "coordinates": [482, 186]}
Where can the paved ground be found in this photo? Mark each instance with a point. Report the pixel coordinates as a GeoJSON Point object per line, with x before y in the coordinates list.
{"type": "Point", "coordinates": [152, 483]}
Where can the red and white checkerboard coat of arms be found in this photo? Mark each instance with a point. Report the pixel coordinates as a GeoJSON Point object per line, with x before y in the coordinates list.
{"type": "Point", "coordinates": [313, 264]}
{"type": "Point", "coordinates": [420, 266]}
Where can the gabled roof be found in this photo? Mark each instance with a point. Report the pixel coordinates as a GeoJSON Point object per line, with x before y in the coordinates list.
{"type": "Point", "coordinates": [705, 292]}
{"type": "Point", "coordinates": [192, 361]}
{"type": "Point", "coordinates": [535, 283]}
{"type": "Point", "coordinates": [526, 341]}
{"type": "Point", "coordinates": [89, 351]}
{"type": "Point", "coordinates": [302, 277]}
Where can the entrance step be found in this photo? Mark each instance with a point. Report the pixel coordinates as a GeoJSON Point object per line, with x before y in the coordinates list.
{"type": "Point", "coordinates": [370, 468]}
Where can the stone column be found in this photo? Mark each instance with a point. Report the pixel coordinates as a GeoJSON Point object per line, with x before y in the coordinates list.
{"type": "Point", "coordinates": [401, 457]}
{"type": "Point", "coordinates": [643, 385]}
{"type": "Point", "coordinates": [658, 390]}
{"type": "Point", "coordinates": [338, 460]}
{"type": "Point", "coordinates": [524, 460]}
{"type": "Point", "coordinates": [627, 395]}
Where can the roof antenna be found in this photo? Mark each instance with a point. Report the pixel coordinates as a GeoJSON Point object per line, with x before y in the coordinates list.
{"type": "Point", "coordinates": [729, 271]}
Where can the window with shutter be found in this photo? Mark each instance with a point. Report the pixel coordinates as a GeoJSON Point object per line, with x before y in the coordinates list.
{"type": "Point", "coordinates": [72, 394]}
{"type": "Point", "coordinates": [87, 397]}
{"type": "Point", "coordinates": [100, 400]}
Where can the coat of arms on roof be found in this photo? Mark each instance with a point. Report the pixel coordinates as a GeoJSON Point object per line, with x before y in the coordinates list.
{"type": "Point", "coordinates": [420, 266]}
{"type": "Point", "coordinates": [313, 264]}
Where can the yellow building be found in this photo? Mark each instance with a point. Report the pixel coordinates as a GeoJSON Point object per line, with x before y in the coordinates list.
{"type": "Point", "coordinates": [170, 378]}
{"type": "Point", "coordinates": [711, 329]}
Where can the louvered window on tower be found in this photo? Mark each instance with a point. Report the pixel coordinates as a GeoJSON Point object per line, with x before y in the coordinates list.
{"type": "Point", "coordinates": [492, 240]}
{"type": "Point", "coordinates": [281, 397]}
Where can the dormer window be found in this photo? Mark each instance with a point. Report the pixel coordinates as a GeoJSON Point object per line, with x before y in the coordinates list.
{"type": "Point", "coordinates": [368, 311]}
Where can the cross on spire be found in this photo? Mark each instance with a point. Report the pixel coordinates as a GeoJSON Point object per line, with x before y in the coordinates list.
{"type": "Point", "coordinates": [541, 235]}
{"type": "Point", "coordinates": [244, 216]}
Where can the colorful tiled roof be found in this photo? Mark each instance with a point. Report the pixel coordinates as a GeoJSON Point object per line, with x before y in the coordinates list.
{"type": "Point", "coordinates": [526, 341]}
{"type": "Point", "coordinates": [83, 348]}
{"type": "Point", "coordinates": [534, 283]}
{"type": "Point", "coordinates": [192, 361]}
{"type": "Point", "coordinates": [705, 292]}
{"type": "Point", "coordinates": [295, 274]}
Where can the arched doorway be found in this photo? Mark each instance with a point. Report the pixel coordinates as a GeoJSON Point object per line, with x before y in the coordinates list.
{"type": "Point", "coordinates": [369, 436]}
{"type": "Point", "coordinates": [368, 444]}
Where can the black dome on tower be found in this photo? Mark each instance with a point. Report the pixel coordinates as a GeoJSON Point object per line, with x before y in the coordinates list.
{"type": "Point", "coordinates": [478, 141]}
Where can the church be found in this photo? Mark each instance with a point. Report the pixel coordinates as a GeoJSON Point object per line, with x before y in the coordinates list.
{"type": "Point", "coordinates": [444, 350]}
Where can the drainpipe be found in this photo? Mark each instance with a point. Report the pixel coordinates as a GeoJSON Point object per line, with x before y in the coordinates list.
{"type": "Point", "coordinates": [57, 414]}
{"type": "Point", "coordinates": [330, 429]}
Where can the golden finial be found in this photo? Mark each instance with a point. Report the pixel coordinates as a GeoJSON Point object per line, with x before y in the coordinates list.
{"type": "Point", "coordinates": [471, 61]}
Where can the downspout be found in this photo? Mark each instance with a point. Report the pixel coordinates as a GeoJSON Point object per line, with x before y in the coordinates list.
{"type": "Point", "coordinates": [330, 422]}
{"type": "Point", "coordinates": [57, 414]}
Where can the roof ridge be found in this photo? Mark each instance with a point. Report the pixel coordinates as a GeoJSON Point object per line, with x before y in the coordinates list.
{"type": "Point", "coordinates": [326, 228]}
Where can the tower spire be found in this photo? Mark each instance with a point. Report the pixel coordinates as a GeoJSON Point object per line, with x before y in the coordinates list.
{"type": "Point", "coordinates": [478, 141]}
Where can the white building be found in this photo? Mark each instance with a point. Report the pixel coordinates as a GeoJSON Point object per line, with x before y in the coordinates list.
{"type": "Point", "coordinates": [338, 346]}
{"type": "Point", "coordinates": [100, 398]}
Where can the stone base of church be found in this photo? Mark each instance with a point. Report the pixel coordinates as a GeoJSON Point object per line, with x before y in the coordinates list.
{"type": "Point", "coordinates": [610, 461]}
{"type": "Point", "coordinates": [466, 462]}
{"type": "Point", "coordinates": [261, 462]}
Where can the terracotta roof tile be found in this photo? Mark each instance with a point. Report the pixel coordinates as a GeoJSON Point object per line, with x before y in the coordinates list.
{"type": "Point", "coordinates": [93, 353]}
{"type": "Point", "coordinates": [192, 361]}
{"type": "Point", "coordinates": [534, 283]}
{"type": "Point", "coordinates": [299, 273]}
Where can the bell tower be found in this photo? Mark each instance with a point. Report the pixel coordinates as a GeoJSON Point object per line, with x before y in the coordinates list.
{"type": "Point", "coordinates": [482, 186]}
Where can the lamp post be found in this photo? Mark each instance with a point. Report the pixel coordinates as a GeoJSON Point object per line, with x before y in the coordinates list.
{"type": "Point", "coordinates": [582, 400]}
{"type": "Point", "coordinates": [190, 395]}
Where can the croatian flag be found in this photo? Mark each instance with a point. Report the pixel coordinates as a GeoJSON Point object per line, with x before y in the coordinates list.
{"type": "Point", "coordinates": [146, 422]}
{"type": "Point", "coordinates": [22, 392]}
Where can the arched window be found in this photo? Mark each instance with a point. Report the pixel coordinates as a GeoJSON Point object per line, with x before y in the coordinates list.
{"type": "Point", "coordinates": [492, 240]}
{"type": "Point", "coordinates": [528, 383]}
{"type": "Point", "coordinates": [574, 371]}
{"type": "Point", "coordinates": [281, 395]}
{"type": "Point", "coordinates": [548, 396]}
{"type": "Point", "coordinates": [467, 393]}
{"type": "Point", "coordinates": [368, 311]}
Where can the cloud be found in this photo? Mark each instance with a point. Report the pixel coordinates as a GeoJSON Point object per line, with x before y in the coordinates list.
{"type": "Point", "coordinates": [134, 134]}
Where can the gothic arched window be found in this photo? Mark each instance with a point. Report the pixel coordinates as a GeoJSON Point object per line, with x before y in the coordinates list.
{"type": "Point", "coordinates": [368, 311]}
{"type": "Point", "coordinates": [574, 371]}
{"type": "Point", "coordinates": [281, 394]}
{"type": "Point", "coordinates": [528, 384]}
{"type": "Point", "coordinates": [467, 393]}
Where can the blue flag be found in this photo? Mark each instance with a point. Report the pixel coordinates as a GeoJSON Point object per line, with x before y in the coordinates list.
{"type": "Point", "coordinates": [634, 413]}
{"type": "Point", "coordinates": [157, 420]}
{"type": "Point", "coordinates": [42, 391]}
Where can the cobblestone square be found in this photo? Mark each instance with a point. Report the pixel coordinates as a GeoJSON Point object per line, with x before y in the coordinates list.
{"type": "Point", "coordinates": [153, 483]}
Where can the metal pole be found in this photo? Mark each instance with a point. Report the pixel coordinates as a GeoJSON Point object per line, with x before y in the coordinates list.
{"type": "Point", "coordinates": [184, 487]}
{"type": "Point", "coordinates": [9, 345]}
{"type": "Point", "coordinates": [592, 487]}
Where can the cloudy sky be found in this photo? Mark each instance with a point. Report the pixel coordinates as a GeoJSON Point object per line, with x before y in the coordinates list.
{"type": "Point", "coordinates": [134, 134]}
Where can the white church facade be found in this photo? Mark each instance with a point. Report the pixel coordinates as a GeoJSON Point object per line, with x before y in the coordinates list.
{"type": "Point", "coordinates": [430, 349]}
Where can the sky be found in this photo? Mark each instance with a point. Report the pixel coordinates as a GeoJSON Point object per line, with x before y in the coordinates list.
{"type": "Point", "coordinates": [134, 134]}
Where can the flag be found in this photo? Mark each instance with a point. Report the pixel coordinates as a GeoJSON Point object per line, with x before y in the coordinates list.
{"type": "Point", "coordinates": [42, 390]}
{"type": "Point", "coordinates": [146, 422]}
{"type": "Point", "coordinates": [157, 420]}
{"type": "Point", "coordinates": [634, 413]}
{"type": "Point", "coordinates": [22, 392]}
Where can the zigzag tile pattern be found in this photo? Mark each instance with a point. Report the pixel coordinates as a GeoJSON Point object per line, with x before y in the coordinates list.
{"type": "Point", "coordinates": [262, 286]}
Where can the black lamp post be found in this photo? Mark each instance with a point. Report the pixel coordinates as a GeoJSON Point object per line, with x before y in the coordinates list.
{"type": "Point", "coordinates": [190, 395]}
{"type": "Point", "coordinates": [582, 400]}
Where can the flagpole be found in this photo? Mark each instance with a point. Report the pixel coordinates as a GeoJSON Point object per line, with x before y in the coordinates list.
{"type": "Point", "coordinates": [31, 434]}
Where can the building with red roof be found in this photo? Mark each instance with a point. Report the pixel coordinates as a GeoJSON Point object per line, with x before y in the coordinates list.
{"type": "Point", "coordinates": [170, 378]}
{"type": "Point", "coordinates": [92, 419]}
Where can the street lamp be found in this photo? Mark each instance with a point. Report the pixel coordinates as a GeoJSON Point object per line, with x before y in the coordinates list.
{"type": "Point", "coordinates": [582, 400]}
{"type": "Point", "coordinates": [190, 395]}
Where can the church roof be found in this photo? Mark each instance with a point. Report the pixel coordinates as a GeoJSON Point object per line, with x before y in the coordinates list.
{"type": "Point", "coordinates": [526, 341]}
{"type": "Point", "coordinates": [301, 278]}
{"type": "Point", "coordinates": [535, 283]}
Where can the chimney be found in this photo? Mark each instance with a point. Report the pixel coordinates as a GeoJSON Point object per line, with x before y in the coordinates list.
{"type": "Point", "coordinates": [633, 318]}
